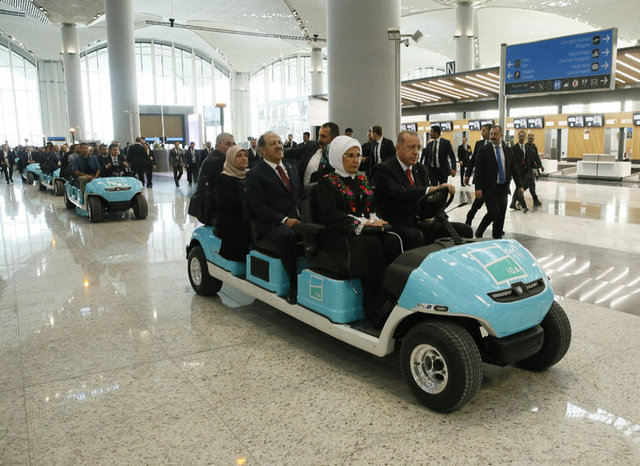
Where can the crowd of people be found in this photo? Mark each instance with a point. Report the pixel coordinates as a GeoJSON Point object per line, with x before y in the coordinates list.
{"type": "Point", "coordinates": [365, 196]}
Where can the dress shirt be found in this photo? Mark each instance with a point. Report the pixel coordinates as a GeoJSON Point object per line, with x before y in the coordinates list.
{"type": "Point", "coordinates": [312, 166]}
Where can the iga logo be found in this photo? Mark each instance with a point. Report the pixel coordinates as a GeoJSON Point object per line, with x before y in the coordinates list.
{"type": "Point", "coordinates": [499, 265]}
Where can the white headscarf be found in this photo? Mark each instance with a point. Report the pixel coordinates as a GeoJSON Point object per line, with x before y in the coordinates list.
{"type": "Point", "coordinates": [337, 149]}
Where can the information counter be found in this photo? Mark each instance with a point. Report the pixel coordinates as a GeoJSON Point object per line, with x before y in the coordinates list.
{"type": "Point", "coordinates": [602, 166]}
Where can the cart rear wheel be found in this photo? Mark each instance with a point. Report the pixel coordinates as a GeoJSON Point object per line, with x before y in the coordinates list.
{"type": "Point", "coordinates": [30, 178]}
{"type": "Point", "coordinates": [201, 282]}
{"type": "Point", "coordinates": [442, 365]}
{"type": "Point", "coordinates": [557, 338]}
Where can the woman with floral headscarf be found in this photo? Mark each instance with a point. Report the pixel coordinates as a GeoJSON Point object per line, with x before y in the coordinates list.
{"type": "Point", "coordinates": [355, 240]}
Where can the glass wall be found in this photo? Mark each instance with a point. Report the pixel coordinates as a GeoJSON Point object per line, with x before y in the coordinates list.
{"type": "Point", "coordinates": [20, 117]}
{"type": "Point", "coordinates": [166, 75]}
{"type": "Point", "coordinates": [279, 97]}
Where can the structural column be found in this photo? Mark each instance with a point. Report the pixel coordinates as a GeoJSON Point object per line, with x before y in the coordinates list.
{"type": "Point", "coordinates": [52, 96]}
{"type": "Point", "coordinates": [464, 36]}
{"type": "Point", "coordinates": [317, 72]}
{"type": "Point", "coordinates": [361, 65]}
{"type": "Point", "coordinates": [240, 106]}
{"type": "Point", "coordinates": [122, 70]}
{"type": "Point", "coordinates": [72, 78]}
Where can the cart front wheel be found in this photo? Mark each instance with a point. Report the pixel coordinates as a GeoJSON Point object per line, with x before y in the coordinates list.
{"type": "Point", "coordinates": [442, 365]}
{"type": "Point", "coordinates": [557, 338]}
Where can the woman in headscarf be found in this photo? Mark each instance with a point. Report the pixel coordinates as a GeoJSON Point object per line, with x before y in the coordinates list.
{"type": "Point", "coordinates": [233, 224]}
{"type": "Point", "coordinates": [354, 240]}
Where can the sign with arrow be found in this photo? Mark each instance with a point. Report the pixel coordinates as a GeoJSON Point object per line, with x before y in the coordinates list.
{"type": "Point", "coordinates": [571, 63]}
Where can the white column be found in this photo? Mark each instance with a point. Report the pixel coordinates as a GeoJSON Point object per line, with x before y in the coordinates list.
{"type": "Point", "coordinates": [72, 78]}
{"type": "Point", "coordinates": [122, 70]}
{"type": "Point", "coordinates": [240, 106]}
{"type": "Point", "coordinates": [54, 115]}
{"type": "Point", "coordinates": [464, 36]}
{"type": "Point", "coordinates": [361, 65]}
{"type": "Point", "coordinates": [317, 71]}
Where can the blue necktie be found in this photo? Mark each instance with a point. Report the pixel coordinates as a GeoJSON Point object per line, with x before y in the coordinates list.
{"type": "Point", "coordinates": [501, 178]}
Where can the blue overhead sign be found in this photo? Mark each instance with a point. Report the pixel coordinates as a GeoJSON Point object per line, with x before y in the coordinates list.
{"type": "Point", "coordinates": [570, 63]}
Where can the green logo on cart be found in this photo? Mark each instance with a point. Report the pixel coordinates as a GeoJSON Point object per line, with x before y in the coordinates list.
{"type": "Point", "coordinates": [500, 266]}
{"type": "Point", "coordinates": [315, 287]}
{"type": "Point", "coordinates": [505, 269]}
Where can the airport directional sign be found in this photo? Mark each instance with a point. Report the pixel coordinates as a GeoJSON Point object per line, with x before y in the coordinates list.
{"type": "Point", "coordinates": [571, 63]}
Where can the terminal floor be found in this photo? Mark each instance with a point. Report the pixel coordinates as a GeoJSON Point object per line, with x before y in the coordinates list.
{"type": "Point", "coordinates": [108, 357]}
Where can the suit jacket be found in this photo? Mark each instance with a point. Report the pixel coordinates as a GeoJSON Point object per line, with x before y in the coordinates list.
{"type": "Point", "coordinates": [520, 159]}
{"type": "Point", "coordinates": [472, 160]}
{"type": "Point", "coordinates": [176, 157]}
{"type": "Point", "coordinates": [113, 169]}
{"type": "Point", "coordinates": [254, 157]}
{"type": "Point", "coordinates": [11, 157]}
{"type": "Point", "coordinates": [387, 149]}
{"type": "Point", "coordinates": [463, 154]}
{"type": "Point", "coordinates": [533, 156]}
{"type": "Point", "coordinates": [191, 158]}
{"type": "Point", "coordinates": [487, 170]}
{"type": "Point", "coordinates": [269, 198]}
{"type": "Point", "coordinates": [137, 155]}
{"type": "Point", "coordinates": [445, 155]}
{"type": "Point", "coordinates": [301, 156]}
{"type": "Point", "coordinates": [395, 198]}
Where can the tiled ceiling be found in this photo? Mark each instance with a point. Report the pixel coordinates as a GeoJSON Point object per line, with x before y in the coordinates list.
{"type": "Point", "coordinates": [498, 21]}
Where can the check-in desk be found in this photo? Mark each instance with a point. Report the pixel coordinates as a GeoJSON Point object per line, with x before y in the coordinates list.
{"type": "Point", "coordinates": [550, 166]}
{"type": "Point", "coordinates": [602, 166]}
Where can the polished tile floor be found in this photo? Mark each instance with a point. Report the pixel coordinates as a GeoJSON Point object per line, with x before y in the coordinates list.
{"type": "Point", "coordinates": [108, 357]}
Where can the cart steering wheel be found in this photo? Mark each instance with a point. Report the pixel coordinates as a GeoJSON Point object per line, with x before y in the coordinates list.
{"type": "Point", "coordinates": [433, 201]}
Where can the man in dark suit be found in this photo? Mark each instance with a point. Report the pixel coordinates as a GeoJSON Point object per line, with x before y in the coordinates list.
{"type": "Point", "coordinates": [138, 159]}
{"type": "Point", "coordinates": [202, 204]}
{"type": "Point", "coordinates": [380, 150]}
{"type": "Point", "coordinates": [494, 169]}
{"type": "Point", "coordinates": [399, 183]}
{"type": "Point", "coordinates": [192, 163]}
{"type": "Point", "coordinates": [464, 152]}
{"type": "Point", "coordinates": [254, 155]}
{"type": "Point", "coordinates": [521, 162]}
{"type": "Point", "coordinates": [313, 158]}
{"type": "Point", "coordinates": [114, 164]}
{"type": "Point", "coordinates": [290, 143]}
{"type": "Point", "coordinates": [275, 195]}
{"type": "Point", "coordinates": [176, 161]}
{"type": "Point", "coordinates": [477, 202]}
{"type": "Point", "coordinates": [439, 158]}
{"type": "Point", "coordinates": [534, 163]}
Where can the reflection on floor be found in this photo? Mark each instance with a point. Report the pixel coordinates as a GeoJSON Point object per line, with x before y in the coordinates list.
{"type": "Point", "coordinates": [107, 356]}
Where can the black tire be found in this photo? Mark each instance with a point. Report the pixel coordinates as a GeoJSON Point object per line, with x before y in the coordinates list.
{"type": "Point", "coordinates": [94, 206]}
{"type": "Point", "coordinates": [30, 178]}
{"type": "Point", "coordinates": [140, 206]}
{"type": "Point", "coordinates": [58, 187]}
{"type": "Point", "coordinates": [201, 282]}
{"type": "Point", "coordinates": [442, 365]}
{"type": "Point", "coordinates": [557, 339]}
{"type": "Point", "coordinates": [67, 201]}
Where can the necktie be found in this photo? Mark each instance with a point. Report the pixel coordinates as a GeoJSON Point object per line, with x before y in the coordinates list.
{"type": "Point", "coordinates": [284, 177]}
{"type": "Point", "coordinates": [436, 161]}
{"type": "Point", "coordinates": [375, 152]}
{"type": "Point", "coordinates": [411, 182]}
{"type": "Point", "coordinates": [501, 178]}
